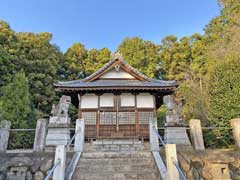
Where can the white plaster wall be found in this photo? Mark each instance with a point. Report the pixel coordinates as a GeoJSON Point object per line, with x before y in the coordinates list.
{"type": "Point", "coordinates": [145, 100]}
{"type": "Point", "coordinates": [113, 74]}
{"type": "Point", "coordinates": [107, 100]}
{"type": "Point", "coordinates": [89, 101]}
{"type": "Point", "coordinates": [127, 100]}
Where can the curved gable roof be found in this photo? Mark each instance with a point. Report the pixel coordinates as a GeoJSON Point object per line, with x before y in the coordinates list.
{"type": "Point", "coordinates": [117, 60]}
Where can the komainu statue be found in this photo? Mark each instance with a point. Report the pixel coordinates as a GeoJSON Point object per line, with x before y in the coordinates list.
{"type": "Point", "coordinates": [173, 110]}
{"type": "Point", "coordinates": [59, 113]}
{"type": "Point", "coordinates": [62, 107]}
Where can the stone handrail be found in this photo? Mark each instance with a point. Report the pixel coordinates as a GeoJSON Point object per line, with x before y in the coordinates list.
{"type": "Point", "coordinates": [179, 170]}
{"type": "Point", "coordinates": [73, 137]}
{"type": "Point", "coordinates": [159, 137]}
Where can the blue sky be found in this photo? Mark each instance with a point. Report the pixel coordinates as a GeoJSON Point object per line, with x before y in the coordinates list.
{"type": "Point", "coordinates": [105, 23]}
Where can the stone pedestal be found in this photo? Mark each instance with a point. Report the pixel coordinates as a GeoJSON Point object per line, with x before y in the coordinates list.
{"type": "Point", "coordinates": [176, 135]}
{"type": "Point", "coordinates": [175, 131]}
{"type": "Point", "coordinates": [58, 133]}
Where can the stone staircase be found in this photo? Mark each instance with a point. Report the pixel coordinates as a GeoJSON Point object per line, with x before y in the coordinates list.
{"type": "Point", "coordinates": [116, 160]}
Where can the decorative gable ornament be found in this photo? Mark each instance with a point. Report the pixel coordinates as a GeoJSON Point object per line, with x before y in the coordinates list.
{"type": "Point", "coordinates": [117, 67]}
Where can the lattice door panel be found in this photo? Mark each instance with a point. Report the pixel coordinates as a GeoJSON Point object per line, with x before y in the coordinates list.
{"type": "Point", "coordinates": [126, 118]}
{"type": "Point", "coordinates": [90, 119]}
{"type": "Point", "coordinates": [108, 124]}
{"type": "Point", "coordinates": [144, 117]}
{"type": "Point", "coordinates": [127, 121]}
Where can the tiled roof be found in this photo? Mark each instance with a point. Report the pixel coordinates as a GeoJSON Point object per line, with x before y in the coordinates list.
{"type": "Point", "coordinates": [86, 83]}
{"type": "Point", "coordinates": [117, 84]}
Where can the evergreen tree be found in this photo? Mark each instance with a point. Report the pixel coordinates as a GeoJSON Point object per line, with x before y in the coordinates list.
{"type": "Point", "coordinates": [96, 59]}
{"type": "Point", "coordinates": [15, 101]}
{"type": "Point", "coordinates": [74, 62]}
{"type": "Point", "coordinates": [176, 57]}
{"type": "Point", "coordinates": [141, 54]}
{"type": "Point", "coordinates": [224, 95]}
{"type": "Point", "coordinates": [7, 53]}
{"type": "Point", "coordinates": [39, 60]}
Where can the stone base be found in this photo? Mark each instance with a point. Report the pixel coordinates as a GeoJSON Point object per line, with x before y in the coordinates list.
{"type": "Point", "coordinates": [176, 135]}
{"type": "Point", "coordinates": [57, 136]}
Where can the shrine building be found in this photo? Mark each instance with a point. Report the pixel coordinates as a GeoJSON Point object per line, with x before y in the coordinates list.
{"type": "Point", "coordinates": [117, 100]}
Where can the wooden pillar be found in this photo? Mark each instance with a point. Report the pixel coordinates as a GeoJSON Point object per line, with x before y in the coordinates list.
{"type": "Point", "coordinates": [98, 116]}
{"type": "Point", "coordinates": [154, 103]}
{"type": "Point", "coordinates": [79, 107]}
{"type": "Point", "coordinates": [117, 108]}
{"type": "Point", "coordinates": [235, 124]}
{"type": "Point", "coordinates": [136, 116]}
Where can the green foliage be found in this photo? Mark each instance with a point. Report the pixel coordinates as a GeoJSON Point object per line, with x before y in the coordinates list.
{"type": "Point", "coordinates": [96, 59]}
{"type": "Point", "coordinates": [39, 59]}
{"type": "Point", "coordinates": [79, 62]}
{"type": "Point", "coordinates": [7, 57]}
{"type": "Point", "coordinates": [21, 140]}
{"type": "Point", "coordinates": [74, 62]}
{"type": "Point", "coordinates": [15, 107]}
{"type": "Point", "coordinates": [73, 114]}
{"type": "Point", "coordinates": [141, 54]}
{"type": "Point", "coordinates": [15, 101]}
{"type": "Point", "coordinates": [224, 94]}
{"type": "Point", "coordinates": [195, 102]}
{"type": "Point", "coordinates": [161, 116]}
{"type": "Point", "coordinates": [176, 57]}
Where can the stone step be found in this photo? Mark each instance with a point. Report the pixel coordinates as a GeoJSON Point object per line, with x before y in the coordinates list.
{"type": "Point", "coordinates": [90, 147]}
{"type": "Point", "coordinates": [116, 176]}
{"type": "Point", "coordinates": [117, 161]}
{"type": "Point", "coordinates": [118, 147]}
{"type": "Point", "coordinates": [116, 168]}
{"type": "Point", "coordinates": [117, 141]}
{"type": "Point", "coordinates": [112, 165]}
{"type": "Point", "coordinates": [104, 155]}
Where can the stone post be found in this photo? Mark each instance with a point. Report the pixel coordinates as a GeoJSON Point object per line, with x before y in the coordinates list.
{"type": "Point", "coordinates": [196, 134]}
{"type": "Point", "coordinates": [154, 143]}
{"type": "Point", "coordinates": [4, 134]}
{"type": "Point", "coordinates": [235, 124]}
{"type": "Point", "coordinates": [79, 138]}
{"type": "Point", "coordinates": [60, 154]}
{"type": "Point", "coordinates": [171, 156]}
{"type": "Point", "coordinates": [40, 135]}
